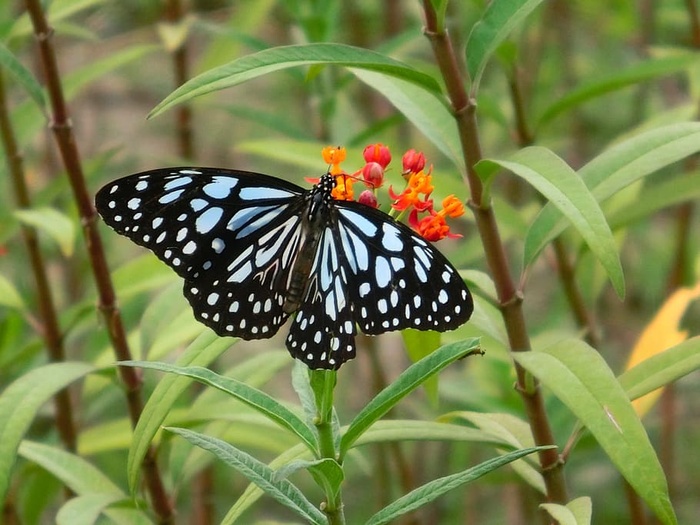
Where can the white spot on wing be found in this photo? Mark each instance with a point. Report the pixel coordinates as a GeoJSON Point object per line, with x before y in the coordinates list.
{"type": "Point", "coordinates": [220, 188]}
{"type": "Point", "coordinates": [208, 220]}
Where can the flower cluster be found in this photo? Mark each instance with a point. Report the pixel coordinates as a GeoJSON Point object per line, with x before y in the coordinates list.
{"type": "Point", "coordinates": [414, 199]}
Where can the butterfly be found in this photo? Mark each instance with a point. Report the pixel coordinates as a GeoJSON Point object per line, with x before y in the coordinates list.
{"type": "Point", "coordinates": [254, 250]}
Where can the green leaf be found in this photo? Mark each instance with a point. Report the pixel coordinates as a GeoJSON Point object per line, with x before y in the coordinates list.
{"type": "Point", "coordinates": [408, 381]}
{"type": "Point", "coordinates": [52, 222]}
{"type": "Point", "coordinates": [596, 87]}
{"type": "Point", "coordinates": [393, 430]}
{"type": "Point", "coordinates": [85, 510]}
{"type": "Point", "coordinates": [511, 430]}
{"type": "Point", "coordinates": [382, 431]}
{"type": "Point", "coordinates": [582, 380]}
{"type": "Point", "coordinates": [141, 274]}
{"type": "Point", "coordinates": [327, 473]}
{"type": "Point", "coordinates": [552, 177]}
{"type": "Point", "coordinates": [202, 351]}
{"type": "Point", "coordinates": [253, 492]}
{"type": "Point", "coordinates": [262, 475]}
{"type": "Point", "coordinates": [499, 19]}
{"type": "Point", "coordinates": [260, 401]}
{"type": "Point", "coordinates": [577, 512]}
{"type": "Point", "coordinates": [420, 344]}
{"type": "Point", "coordinates": [278, 58]}
{"type": "Point", "coordinates": [74, 471]}
{"type": "Point", "coordinates": [434, 489]}
{"type": "Point", "coordinates": [21, 401]}
{"type": "Point", "coordinates": [615, 169]}
{"type": "Point", "coordinates": [9, 62]}
{"type": "Point", "coordinates": [424, 108]}
{"type": "Point", "coordinates": [9, 296]}
{"type": "Point", "coordinates": [662, 369]}
{"type": "Point", "coordinates": [655, 197]}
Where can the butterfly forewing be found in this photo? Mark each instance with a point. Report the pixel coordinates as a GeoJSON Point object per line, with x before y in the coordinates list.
{"type": "Point", "coordinates": [232, 235]}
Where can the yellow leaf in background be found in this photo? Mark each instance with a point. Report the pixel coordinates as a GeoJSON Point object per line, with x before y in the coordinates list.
{"type": "Point", "coordinates": [660, 334]}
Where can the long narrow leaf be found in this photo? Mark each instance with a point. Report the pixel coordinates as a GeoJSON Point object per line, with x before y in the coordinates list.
{"type": "Point", "coordinates": [582, 380]}
{"type": "Point", "coordinates": [552, 177]}
{"type": "Point", "coordinates": [499, 19]}
{"type": "Point", "coordinates": [422, 107]}
{"type": "Point", "coordinates": [633, 75]}
{"type": "Point", "coordinates": [9, 62]}
{"type": "Point", "coordinates": [260, 401]}
{"type": "Point", "coordinates": [257, 472]}
{"type": "Point", "coordinates": [434, 489]}
{"type": "Point", "coordinates": [615, 169]}
{"type": "Point", "coordinates": [74, 471]}
{"type": "Point", "coordinates": [202, 351]}
{"type": "Point", "coordinates": [20, 402]}
{"type": "Point", "coordinates": [408, 381]}
{"type": "Point", "coordinates": [278, 58]}
{"type": "Point", "coordinates": [384, 431]}
{"type": "Point", "coordinates": [662, 369]}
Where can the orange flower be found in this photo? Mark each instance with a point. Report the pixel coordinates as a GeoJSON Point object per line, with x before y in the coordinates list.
{"type": "Point", "coordinates": [452, 207]}
{"type": "Point", "coordinates": [334, 156]}
{"type": "Point", "coordinates": [432, 227]}
{"type": "Point", "coordinates": [419, 184]}
{"type": "Point", "coordinates": [343, 189]}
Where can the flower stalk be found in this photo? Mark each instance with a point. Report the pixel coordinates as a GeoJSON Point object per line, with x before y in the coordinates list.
{"type": "Point", "coordinates": [323, 384]}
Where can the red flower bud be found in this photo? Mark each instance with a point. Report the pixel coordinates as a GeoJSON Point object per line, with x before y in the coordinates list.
{"type": "Point", "coordinates": [373, 174]}
{"type": "Point", "coordinates": [413, 161]}
{"type": "Point", "coordinates": [378, 153]}
{"type": "Point", "coordinates": [368, 198]}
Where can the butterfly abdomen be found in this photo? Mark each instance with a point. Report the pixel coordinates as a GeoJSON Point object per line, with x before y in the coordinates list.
{"type": "Point", "coordinates": [312, 226]}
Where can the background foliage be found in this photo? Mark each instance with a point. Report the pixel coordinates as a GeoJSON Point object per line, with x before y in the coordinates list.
{"type": "Point", "coordinates": [585, 110]}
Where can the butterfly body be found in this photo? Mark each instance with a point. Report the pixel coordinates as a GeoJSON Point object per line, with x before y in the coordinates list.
{"type": "Point", "coordinates": [254, 249]}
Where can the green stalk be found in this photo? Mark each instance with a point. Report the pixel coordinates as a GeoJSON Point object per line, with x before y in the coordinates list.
{"type": "Point", "coordinates": [323, 383]}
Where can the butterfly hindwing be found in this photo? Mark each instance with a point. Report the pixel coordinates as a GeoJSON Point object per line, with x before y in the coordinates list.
{"type": "Point", "coordinates": [323, 332]}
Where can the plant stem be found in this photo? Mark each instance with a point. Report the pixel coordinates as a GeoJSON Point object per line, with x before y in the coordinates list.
{"type": "Point", "coordinates": [50, 328]}
{"type": "Point", "coordinates": [174, 14]}
{"type": "Point", "coordinates": [65, 139]}
{"type": "Point", "coordinates": [323, 383]}
{"type": "Point", "coordinates": [510, 299]}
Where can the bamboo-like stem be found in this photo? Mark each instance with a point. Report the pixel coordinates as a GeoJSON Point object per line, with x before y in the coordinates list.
{"type": "Point", "coordinates": [510, 298]}
{"type": "Point", "coordinates": [63, 133]}
{"type": "Point", "coordinates": [174, 14]}
{"type": "Point", "coordinates": [50, 327]}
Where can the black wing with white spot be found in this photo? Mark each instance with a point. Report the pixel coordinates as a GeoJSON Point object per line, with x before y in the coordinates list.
{"type": "Point", "coordinates": [233, 236]}
{"type": "Point", "coordinates": [323, 332]}
{"type": "Point", "coordinates": [396, 278]}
